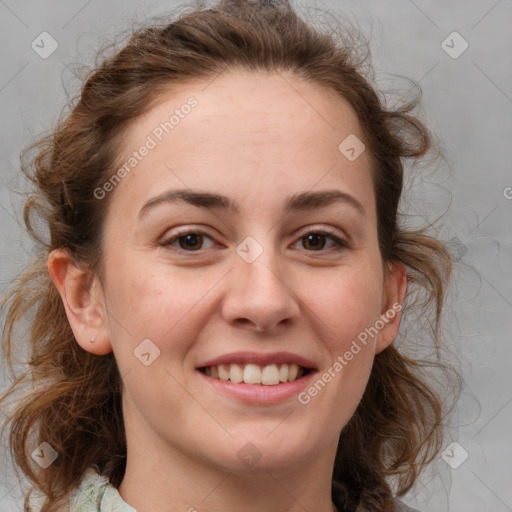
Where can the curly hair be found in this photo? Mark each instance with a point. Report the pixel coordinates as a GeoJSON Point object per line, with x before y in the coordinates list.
{"type": "Point", "coordinates": [73, 397]}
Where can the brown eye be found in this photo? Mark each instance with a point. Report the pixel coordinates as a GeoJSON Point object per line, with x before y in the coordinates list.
{"type": "Point", "coordinates": [316, 241]}
{"type": "Point", "coordinates": [189, 241]}
{"type": "Point", "coordinates": [192, 241]}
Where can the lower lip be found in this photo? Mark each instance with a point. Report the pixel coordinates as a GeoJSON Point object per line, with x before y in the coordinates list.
{"type": "Point", "coordinates": [259, 393]}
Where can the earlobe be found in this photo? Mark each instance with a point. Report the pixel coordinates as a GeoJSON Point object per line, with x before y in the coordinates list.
{"type": "Point", "coordinates": [395, 290]}
{"type": "Point", "coordinates": [84, 309]}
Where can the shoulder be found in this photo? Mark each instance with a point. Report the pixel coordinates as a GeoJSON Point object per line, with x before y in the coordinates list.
{"type": "Point", "coordinates": [96, 494]}
{"type": "Point", "coordinates": [342, 500]}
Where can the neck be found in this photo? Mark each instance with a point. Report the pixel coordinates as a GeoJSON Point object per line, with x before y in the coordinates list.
{"type": "Point", "coordinates": [160, 478]}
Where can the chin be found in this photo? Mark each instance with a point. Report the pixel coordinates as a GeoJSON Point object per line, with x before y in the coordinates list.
{"type": "Point", "coordinates": [263, 453]}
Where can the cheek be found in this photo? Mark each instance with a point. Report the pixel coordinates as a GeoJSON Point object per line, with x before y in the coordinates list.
{"type": "Point", "coordinates": [344, 309]}
{"type": "Point", "coordinates": [147, 302]}
{"type": "Point", "coordinates": [348, 301]}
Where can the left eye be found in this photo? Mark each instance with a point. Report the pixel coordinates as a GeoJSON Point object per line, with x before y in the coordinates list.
{"type": "Point", "coordinates": [192, 241]}
{"type": "Point", "coordinates": [189, 241]}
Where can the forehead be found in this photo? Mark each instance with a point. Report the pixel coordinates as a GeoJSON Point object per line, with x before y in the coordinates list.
{"type": "Point", "coordinates": [261, 105]}
{"type": "Point", "coordinates": [257, 133]}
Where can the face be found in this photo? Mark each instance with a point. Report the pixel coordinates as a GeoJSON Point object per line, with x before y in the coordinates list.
{"type": "Point", "coordinates": [283, 270]}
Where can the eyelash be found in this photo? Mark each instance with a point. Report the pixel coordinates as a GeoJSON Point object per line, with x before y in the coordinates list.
{"type": "Point", "coordinates": [341, 244]}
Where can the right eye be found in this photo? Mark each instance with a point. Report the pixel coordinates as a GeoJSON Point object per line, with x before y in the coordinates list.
{"type": "Point", "coordinates": [188, 240]}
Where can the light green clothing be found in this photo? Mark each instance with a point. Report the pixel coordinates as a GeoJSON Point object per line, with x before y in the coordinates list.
{"type": "Point", "coordinates": [96, 494]}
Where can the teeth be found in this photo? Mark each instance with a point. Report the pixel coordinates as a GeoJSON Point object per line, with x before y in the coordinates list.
{"type": "Point", "coordinates": [269, 375]}
{"type": "Point", "coordinates": [293, 371]}
{"type": "Point", "coordinates": [252, 374]}
{"type": "Point", "coordinates": [236, 373]}
{"type": "Point", "coordinates": [223, 373]}
{"type": "Point", "coordinates": [283, 373]}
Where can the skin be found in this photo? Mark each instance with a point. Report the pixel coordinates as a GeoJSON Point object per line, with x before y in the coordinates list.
{"type": "Point", "coordinates": [258, 138]}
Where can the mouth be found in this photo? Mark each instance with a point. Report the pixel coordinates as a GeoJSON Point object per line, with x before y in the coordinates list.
{"type": "Point", "coordinates": [250, 373]}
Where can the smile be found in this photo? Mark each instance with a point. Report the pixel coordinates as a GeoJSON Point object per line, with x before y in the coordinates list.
{"type": "Point", "coordinates": [269, 375]}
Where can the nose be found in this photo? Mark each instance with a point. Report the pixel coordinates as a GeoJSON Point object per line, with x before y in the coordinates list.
{"type": "Point", "coordinates": [260, 294]}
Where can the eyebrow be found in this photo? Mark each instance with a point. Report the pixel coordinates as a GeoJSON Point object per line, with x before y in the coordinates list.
{"type": "Point", "coordinates": [298, 202]}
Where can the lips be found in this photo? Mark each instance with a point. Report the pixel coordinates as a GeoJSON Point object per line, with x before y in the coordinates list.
{"type": "Point", "coordinates": [258, 369]}
{"type": "Point", "coordinates": [264, 385]}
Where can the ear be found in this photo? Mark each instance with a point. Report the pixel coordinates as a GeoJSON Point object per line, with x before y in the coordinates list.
{"type": "Point", "coordinates": [83, 301]}
{"type": "Point", "coordinates": [395, 288]}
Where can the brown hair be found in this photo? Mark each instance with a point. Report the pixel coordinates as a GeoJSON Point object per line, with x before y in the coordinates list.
{"type": "Point", "coordinates": [75, 396]}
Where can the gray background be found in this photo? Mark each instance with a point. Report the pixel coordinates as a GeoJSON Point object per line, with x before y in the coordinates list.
{"type": "Point", "coordinates": [467, 103]}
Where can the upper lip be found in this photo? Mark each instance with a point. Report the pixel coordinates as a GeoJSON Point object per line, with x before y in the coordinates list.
{"type": "Point", "coordinates": [259, 359]}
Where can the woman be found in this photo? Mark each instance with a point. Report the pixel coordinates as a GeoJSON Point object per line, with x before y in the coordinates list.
{"type": "Point", "coordinates": [215, 310]}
